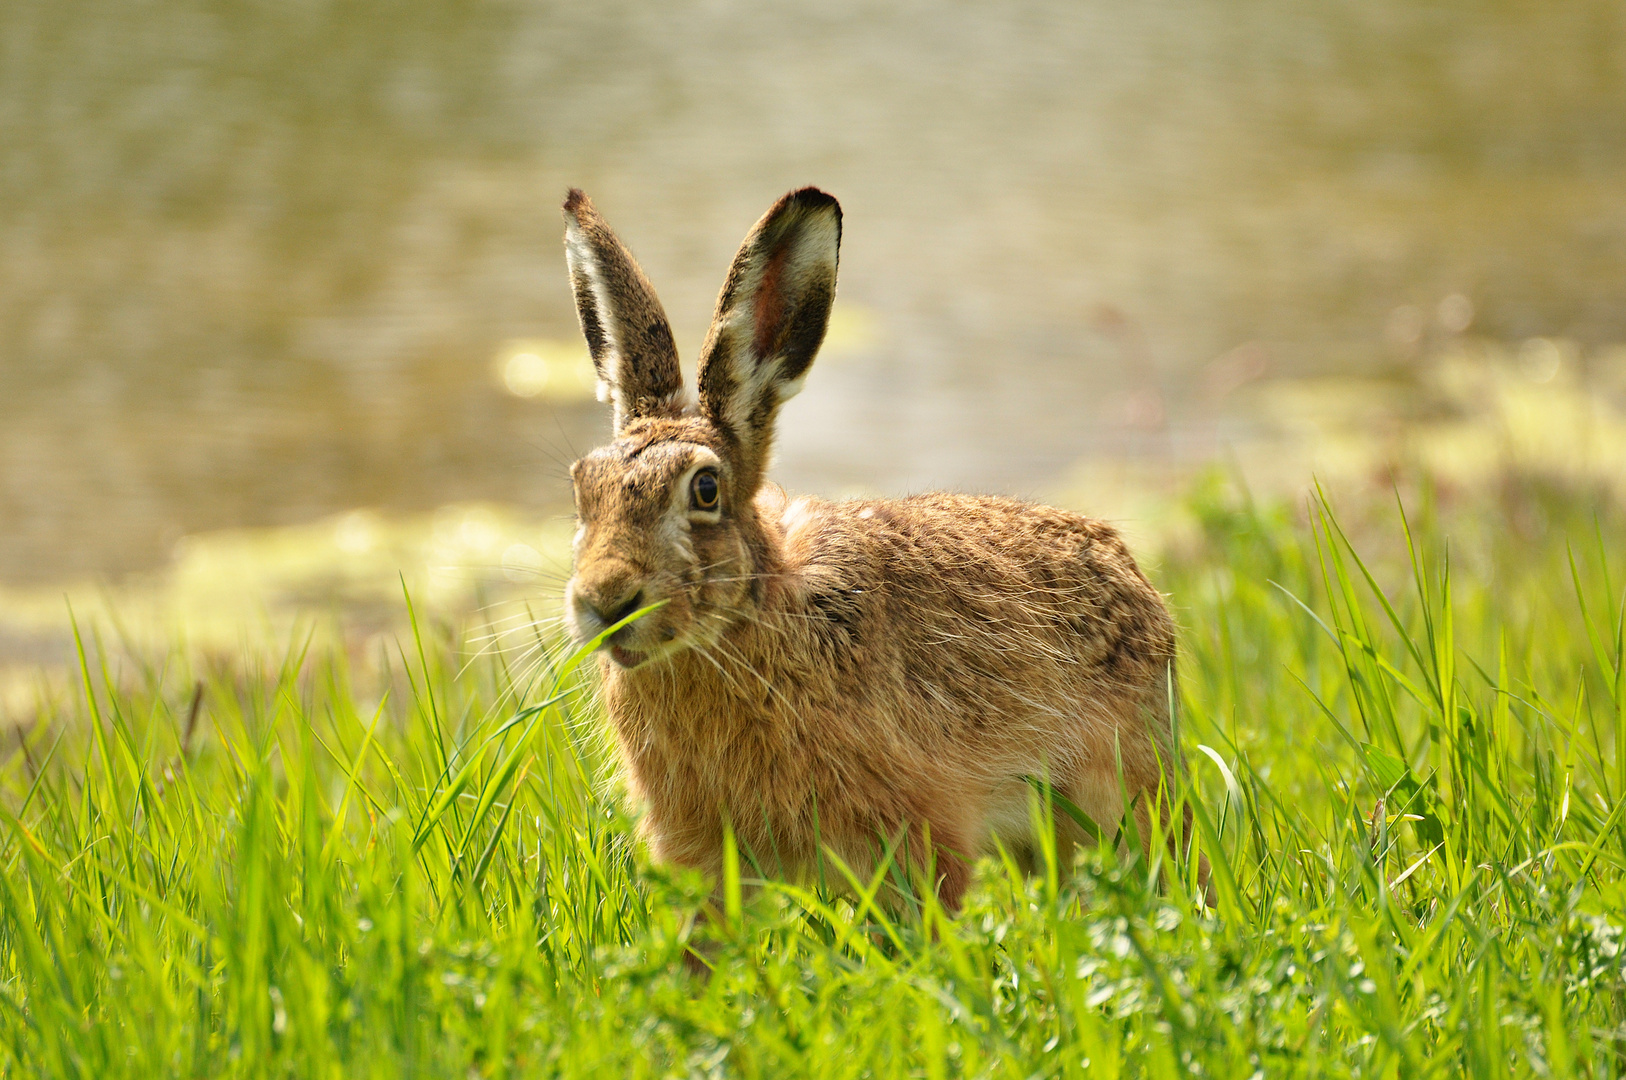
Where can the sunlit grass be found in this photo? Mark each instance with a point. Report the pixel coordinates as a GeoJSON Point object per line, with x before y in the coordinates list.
{"type": "Point", "coordinates": [1403, 755]}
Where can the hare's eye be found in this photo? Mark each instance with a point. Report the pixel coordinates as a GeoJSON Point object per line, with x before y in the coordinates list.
{"type": "Point", "coordinates": [703, 491]}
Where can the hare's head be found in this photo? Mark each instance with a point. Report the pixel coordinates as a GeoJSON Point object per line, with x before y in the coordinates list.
{"type": "Point", "coordinates": [667, 511]}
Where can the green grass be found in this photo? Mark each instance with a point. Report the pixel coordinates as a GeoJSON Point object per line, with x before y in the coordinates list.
{"type": "Point", "coordinates": [1405, 769]}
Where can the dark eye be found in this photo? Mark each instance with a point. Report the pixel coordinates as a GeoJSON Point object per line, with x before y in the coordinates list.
{"type": "Point", "coordinates": [703, 491]}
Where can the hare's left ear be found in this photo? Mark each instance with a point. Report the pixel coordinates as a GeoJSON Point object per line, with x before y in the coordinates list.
{"type": "Point", "coordinates": [770, 321]}
{"type": "Point", "coordinates": [626, 329]}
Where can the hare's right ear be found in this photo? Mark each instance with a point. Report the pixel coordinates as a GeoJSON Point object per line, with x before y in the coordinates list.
{"type": "Point", "coordinates": [770, 321]}
{"type": "Point", "coordinates": [626, 329]}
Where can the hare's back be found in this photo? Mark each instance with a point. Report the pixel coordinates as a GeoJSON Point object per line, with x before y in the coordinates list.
{"type": "Point", "coordinates": [1008, 583]}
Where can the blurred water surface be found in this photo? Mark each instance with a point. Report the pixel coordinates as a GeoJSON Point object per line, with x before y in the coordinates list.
{"type": "Point", "coordinates": [263, 263]}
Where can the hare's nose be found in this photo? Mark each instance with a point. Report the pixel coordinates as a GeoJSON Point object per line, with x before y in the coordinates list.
{"type": "Point", "coordinates": [611, 609]}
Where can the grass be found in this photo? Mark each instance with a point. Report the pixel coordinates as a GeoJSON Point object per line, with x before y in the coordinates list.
{"type": "Point", "coordinates": [1403, 752]}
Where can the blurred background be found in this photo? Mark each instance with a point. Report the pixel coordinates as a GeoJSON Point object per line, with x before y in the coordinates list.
{"type": "Point", "coordinates": [281, 284]}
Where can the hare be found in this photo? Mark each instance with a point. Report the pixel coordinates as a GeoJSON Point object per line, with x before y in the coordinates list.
{"type": "Point", "coordinates": [833, 676]}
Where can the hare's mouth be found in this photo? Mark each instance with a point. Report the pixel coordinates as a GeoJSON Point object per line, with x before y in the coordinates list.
{"type": "Point", "coordinates": [652, 643]}
{"type": "Point", "coordinates": [627, 658]}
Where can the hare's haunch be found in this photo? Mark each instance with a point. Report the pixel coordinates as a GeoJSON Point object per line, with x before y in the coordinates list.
{"type": "Point", "coordinates": [833, 675]}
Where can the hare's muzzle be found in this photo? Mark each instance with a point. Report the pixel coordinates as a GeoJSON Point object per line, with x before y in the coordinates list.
{"type": "Point", "coordinates": [596, 609]}
{"type": "Point", "coordinates": [615, 610]}
{"type": "Point", "coordinates": [596, 602]}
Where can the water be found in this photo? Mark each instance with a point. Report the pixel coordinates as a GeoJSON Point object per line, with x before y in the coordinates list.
{"type": "Point", "coordinates": [265, 263]}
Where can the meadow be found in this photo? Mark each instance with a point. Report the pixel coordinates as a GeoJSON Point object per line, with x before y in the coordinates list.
{"type": "Point", "coordinates": [1402, 714]}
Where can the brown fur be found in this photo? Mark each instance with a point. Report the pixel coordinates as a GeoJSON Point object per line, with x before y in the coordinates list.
{"type": "Point", "coordinates": [843, 674]}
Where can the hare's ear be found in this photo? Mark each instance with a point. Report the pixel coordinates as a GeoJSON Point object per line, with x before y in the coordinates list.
{"type": "Point", "coordinates": [626, 330]}
{"type": "Point", "coordinates": [770, 319]}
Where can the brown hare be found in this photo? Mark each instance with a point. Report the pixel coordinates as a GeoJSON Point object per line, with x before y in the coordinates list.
{"type": "Point", "coordinates": [822, 675]}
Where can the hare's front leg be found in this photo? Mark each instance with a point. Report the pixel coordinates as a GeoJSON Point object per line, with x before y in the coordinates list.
{"type": "Point", "coordinates": [669, 847]}
{"type": "Point", "coordinates": [953, 870]}
{"type": "Point", "coordinates": [945, 858]}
